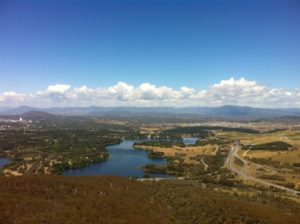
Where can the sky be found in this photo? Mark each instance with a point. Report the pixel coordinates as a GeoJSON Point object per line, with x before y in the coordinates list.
{"type": "Point", "coordinates": [150, 53]}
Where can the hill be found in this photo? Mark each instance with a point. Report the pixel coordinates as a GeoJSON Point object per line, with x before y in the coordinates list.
{"type": "Point", "coordinates": [32, 115]}
{"type": "Point", "coordinates": [53, 199]}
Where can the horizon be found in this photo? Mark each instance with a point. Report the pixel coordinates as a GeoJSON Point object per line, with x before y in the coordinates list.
{"type": "Point", "coordinates": [235, 92]}
{"type": "Point", "coordinates": [146, 107]}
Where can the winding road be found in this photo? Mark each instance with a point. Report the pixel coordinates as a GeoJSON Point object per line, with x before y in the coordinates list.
{"type": "Point", "coordinates": [242, 173]}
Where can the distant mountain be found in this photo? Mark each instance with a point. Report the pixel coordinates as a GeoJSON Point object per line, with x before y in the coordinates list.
{"type": "Point", "coordinates": [224, 112]}
{"type": "Point", "coordinates": [32, 115]}
{"type": "Point", "coordinates": [287, 119]}
{"type": "Point", "coordinates": [18, 110]}
{"type": "Point", "coordinates": [38, 115]}
{"type": "Point", "coordinates": [4, 109]}
{"type": "Point", "coordinates": [236, 112]}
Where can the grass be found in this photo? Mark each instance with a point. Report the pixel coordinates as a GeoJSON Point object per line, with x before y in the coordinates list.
{"type": "Point", "coordinates": [187, 152]}
{"type": "Point", "coordinates": [50, 199]}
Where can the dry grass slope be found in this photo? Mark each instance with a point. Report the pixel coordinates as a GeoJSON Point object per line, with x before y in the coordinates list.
{"type": "Point", "coordinates": [52, 199]}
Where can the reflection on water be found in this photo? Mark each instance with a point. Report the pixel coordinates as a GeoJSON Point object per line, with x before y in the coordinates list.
{"type": "Point", "coordinates": [189, 141]}
{"type": "Point", "coordinates": [123, 160]}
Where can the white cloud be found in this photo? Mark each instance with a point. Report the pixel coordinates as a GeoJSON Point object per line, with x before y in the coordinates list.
{"type": "Point", "coordinates": [58, 88]}
{"type": "Point", "coordinates": [241, 92]}
{"type": "Point", "coordinates": [122, 91]}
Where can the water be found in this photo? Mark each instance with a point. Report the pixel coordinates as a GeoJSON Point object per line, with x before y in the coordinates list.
{"type": "Point", "coordinates": [123, 160]}
{"type": "Point", "coordinates": [189, 141]}
{"type": "Point", "coordinates": [3, 162]}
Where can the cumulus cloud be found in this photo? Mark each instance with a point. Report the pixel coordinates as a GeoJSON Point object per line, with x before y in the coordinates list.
{"type": "Point", "coordinates": [240, 92]}
{"type": "Point", "coordinates": [58, 88]}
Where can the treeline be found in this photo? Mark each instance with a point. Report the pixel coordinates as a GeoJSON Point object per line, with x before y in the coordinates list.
{"type": "Point", "coordinates": [136, 135]}
{"type": "Point", "coordinates": [213, 140]}
{"type": "Point", "coordinates": [55, 140]}
{"type": "Point", "coordinates": [163, 144]}
{"type": "Point", "coordinates": [270, 146]}
{"type": "Point", "coordinates": [203, 131]}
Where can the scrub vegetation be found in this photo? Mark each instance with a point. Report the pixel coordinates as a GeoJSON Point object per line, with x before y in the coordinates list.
{"type": "Point", "coordinates": [49, 199]}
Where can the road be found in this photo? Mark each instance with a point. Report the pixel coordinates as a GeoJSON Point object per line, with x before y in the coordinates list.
{"type": "Point", "coordinates": [204, 164]}
{"type": "Point", "coordinates": [242, 173]}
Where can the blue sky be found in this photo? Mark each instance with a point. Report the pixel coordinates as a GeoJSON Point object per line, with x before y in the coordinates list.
{"type": "Point", "coordinates": [170, 43]}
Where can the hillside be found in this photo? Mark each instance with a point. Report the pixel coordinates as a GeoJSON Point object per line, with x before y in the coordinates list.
{"type": "Point", "coordinates": [50, 199]}
{"type": "Point", "coordinates": [31, 115]}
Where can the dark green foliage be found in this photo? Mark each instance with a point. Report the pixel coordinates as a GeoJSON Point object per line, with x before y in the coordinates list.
{"type": "Point", "coordinates": [272, 177]}
{"type": "Point", "coordinates": [271, 162]}
{"type": "Point", "coordinates": [166, 137]}
{"type": "Point", "coordinates": [203, 131]}
{"type": "Point", "coordinates": [296, 164]}
{"type": "Point", "coordinates": [55, 140]}
{"type": "Point", "coordinates": [176, 167]}
{"type": "Point", "coordinates": [163, 144]}
{"type": "Point", "coordinates": [270, 146]}
{"type": "Point", "coordinates": [213, 140]}
{"type": "Point", "coordinates": [155, 155]}
{"type": "Point", "coordinates": [194, 131]}
{"type": "Point", "coordinates": [214, 162]}
{"type": "Point", "coordinates": [57, 149]}
{"type": "Point", "coordinates": [152, 168]}
{"type": "Point", "coordinates": [289, 185]}
{"type": "Point", "coordinates": [238, 162]}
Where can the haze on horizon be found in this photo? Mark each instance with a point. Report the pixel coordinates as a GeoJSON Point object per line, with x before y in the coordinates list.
{"type": "Point", "coordinates": [150, 53]}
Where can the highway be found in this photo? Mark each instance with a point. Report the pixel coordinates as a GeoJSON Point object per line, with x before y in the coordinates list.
{"type": "Point", "coordinates": [242, 172]}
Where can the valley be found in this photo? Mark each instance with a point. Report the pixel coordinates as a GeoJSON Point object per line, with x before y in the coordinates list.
{"type": "Point", "coordinates": [256, 161]}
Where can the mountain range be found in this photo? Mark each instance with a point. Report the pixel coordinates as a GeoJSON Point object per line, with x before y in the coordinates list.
{"type": "Point", "coordinates": [223, 112]}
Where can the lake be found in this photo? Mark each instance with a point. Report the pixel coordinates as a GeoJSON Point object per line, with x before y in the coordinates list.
{"type": "Point", "coordinates": [123, 160]}
{"type": "Point", "coordinates": [3, 162]}
{"type": "Point", "coordinates": [189, 141]}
